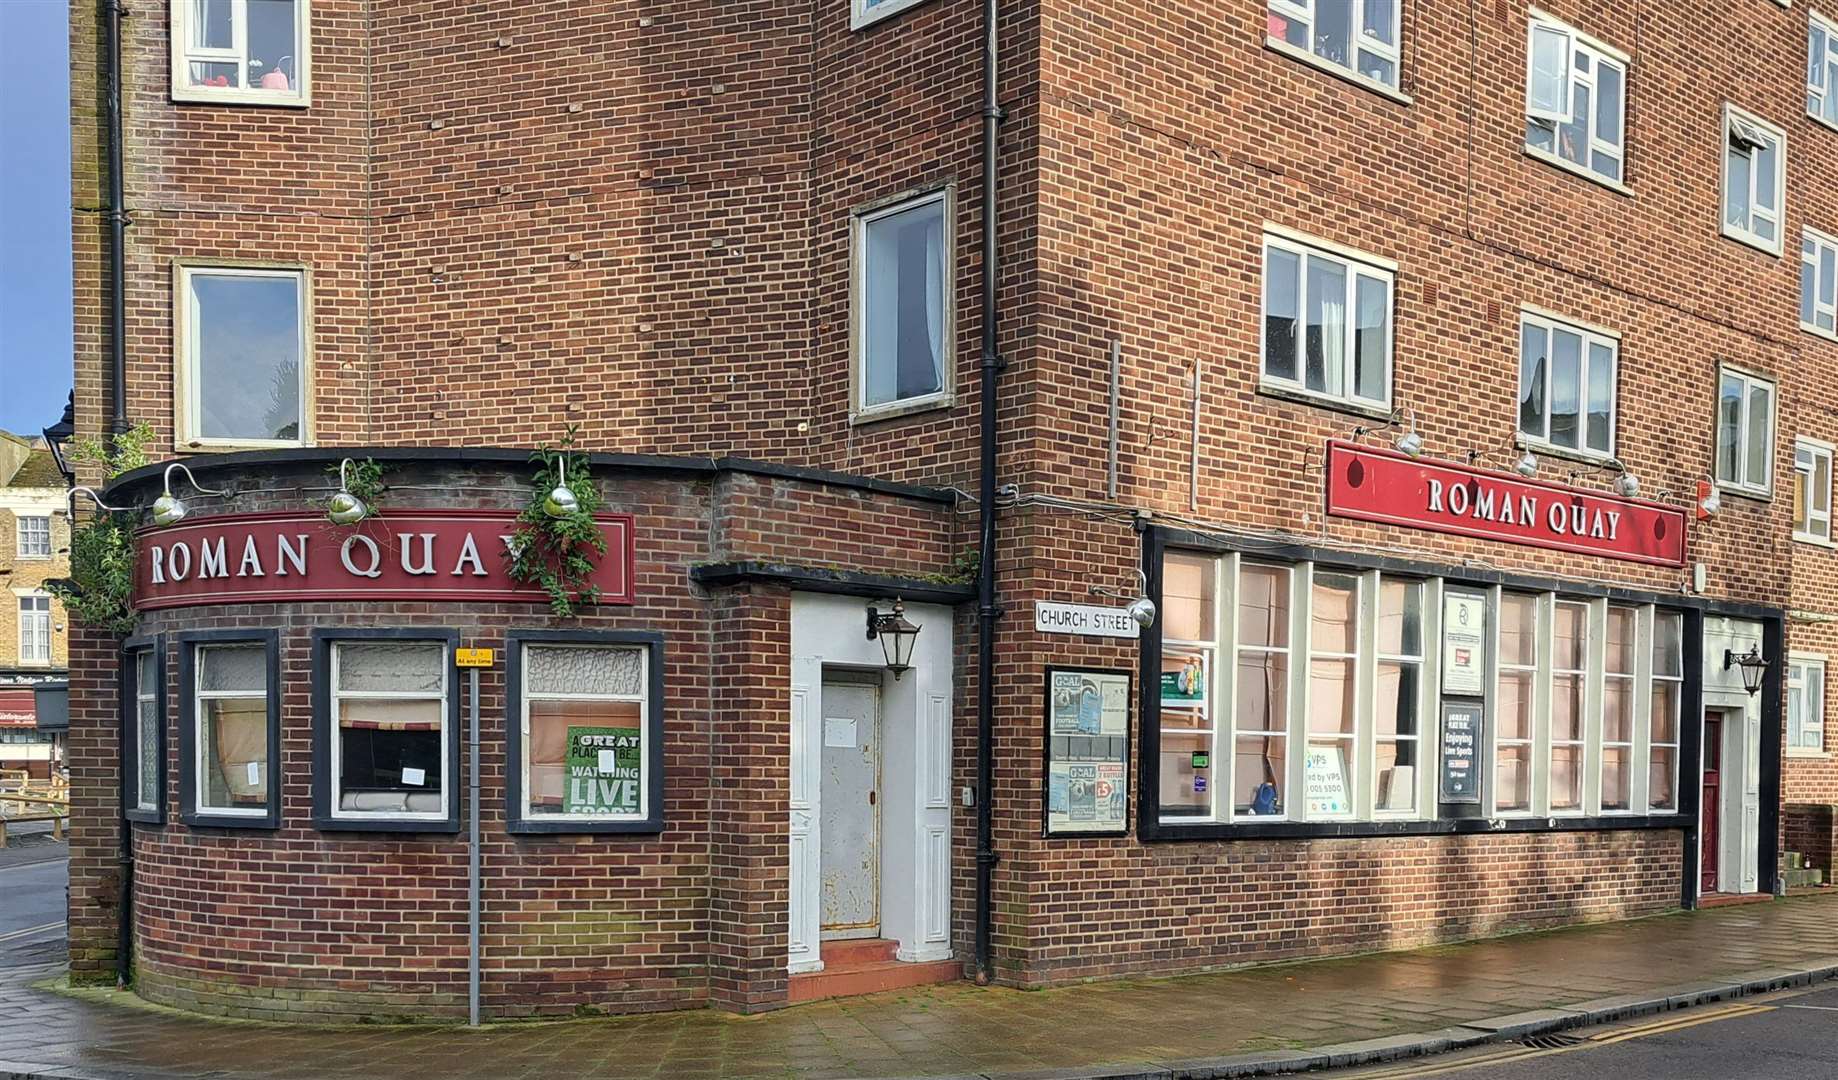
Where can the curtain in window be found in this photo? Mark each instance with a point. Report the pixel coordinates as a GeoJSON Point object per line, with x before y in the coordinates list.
{"type": "Point", "coordinates": [1327, 326]}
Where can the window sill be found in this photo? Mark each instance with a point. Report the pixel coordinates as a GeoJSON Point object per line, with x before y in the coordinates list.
{"type": "Point", "coordinates": [229, 446]}
{"type": "Point", "coordinates": [191, 95]}
{"type": "Point", "coordinates": [33, 558]}
{"type": "Point", "coordinates": [529, 827]}
{"type": "Point", "coordinates": [1740, 492]}
{"type": "Point", "coordinates": [861, 17]}
{"type": "Point", "coordinates": [198, 820]}
{"type": "Point", "coordinates": [1820, 120]}
{"type": "Point", "coordinates": [1569, 166]}
{"type": "Point", "coordinates": [386, 824]}
{"type": "Point", "coordinates": [1809, 755]}
{"type": "Point", "coordinates": [1322, 401]}
{"type": "Point", "coordinates": [1277, 44]}
{"type": "Point", "coordinates": [145, 817]}
{"type": "Point", "coordinates": [1820, 331]}
{"type": "Point", "coordinates": [1153, 831]}
{"type": "Point", "coordinates": [878, 413]}
{"type": "Point", "coordinates": [1563, 453]}
{"type": "Point", "coordinates": [1814, 541]}
{"type": "Point", "coordinates": [1749, 239]}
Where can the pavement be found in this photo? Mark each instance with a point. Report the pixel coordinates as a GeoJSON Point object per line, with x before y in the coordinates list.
{"type": "Point", "coordinates": [1247, 1022]}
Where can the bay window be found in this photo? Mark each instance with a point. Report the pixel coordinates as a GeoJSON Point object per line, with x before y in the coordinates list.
{"type": "Point", "coordinates": [1754, 179]}
{"type": "Point", "coordinates": [385, 718]}
{"type": "Point", "coordinates": [1575, 101]}
{"type": "Point", "coordinates": [1357, 39]}
{"type": "Point", "coordinates": [229, 730]}
{"type": "Point", "coordinates": [249, 52]}
{"type": "Point", "coordinates": [1327, 324]}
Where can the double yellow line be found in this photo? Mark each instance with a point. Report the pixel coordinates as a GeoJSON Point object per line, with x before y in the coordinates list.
{"type": "Point", "coordinates": [1520, 1053]}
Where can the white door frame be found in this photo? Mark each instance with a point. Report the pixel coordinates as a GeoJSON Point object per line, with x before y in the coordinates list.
{"type": "Point", "coordinates": [1739, 777]}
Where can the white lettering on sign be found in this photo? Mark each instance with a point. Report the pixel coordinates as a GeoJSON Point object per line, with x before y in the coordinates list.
{"type": "Point", "coordinates": [427, 553]}
{"type": "Point", "coordinates": [251, 557]}
{"type": "Point", "coordinates": [211, 562]}
{"type": "Point", "coordinates": [376, 556]}
{"type": "Point", "coordinates": [287, 554]}
{"type": "Point", "coordinates": [469, 553]}
{"type": "Point", "coordinates": [1052, 618]}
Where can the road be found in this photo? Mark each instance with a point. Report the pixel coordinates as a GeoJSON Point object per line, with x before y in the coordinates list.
{"type": "Point", "coordinates": [1787, 1036]}
{"type": "Point", "coordinates": [32, 911]}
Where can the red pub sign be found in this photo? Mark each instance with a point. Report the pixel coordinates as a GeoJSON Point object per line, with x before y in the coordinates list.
{"type": "Point", "coordinates": [1370, 484]}
{"type": "Point", "coordinates": [432, 555]}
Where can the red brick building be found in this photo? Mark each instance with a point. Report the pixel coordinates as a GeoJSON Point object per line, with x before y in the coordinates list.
{"type": "Point", "coordinates": [1433, 371]}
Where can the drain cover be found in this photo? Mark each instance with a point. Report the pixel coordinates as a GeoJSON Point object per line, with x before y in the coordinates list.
{"type": "Point", "coordinates": [1549, 1042]}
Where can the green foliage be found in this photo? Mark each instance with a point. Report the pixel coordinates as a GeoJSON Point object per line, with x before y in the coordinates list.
{"type": "Point", "coordinates": [560, 554]}
{"type": "Point", "coordinates": [364, 480]}
{"type": "Point", "coordinates": [100, 589]}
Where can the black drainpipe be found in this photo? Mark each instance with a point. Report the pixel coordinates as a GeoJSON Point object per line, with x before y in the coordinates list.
{"type": "Point", "coordinates": [986, 610]}
{"type": "Point", "coordinates": [112, 14]}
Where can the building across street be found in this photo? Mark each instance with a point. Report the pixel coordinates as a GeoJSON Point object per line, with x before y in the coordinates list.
{"type": "Point", "coordinates": [672, 506]}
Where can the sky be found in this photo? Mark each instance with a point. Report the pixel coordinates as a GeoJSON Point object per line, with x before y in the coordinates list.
{"type": "Point", "coordinates": [34, 213]}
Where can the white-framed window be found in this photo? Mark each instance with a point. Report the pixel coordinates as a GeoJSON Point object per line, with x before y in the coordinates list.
{"type": "Point", "coordinates": [1822, 69]}
{"type": "Point", "coordinates": [251, 52]}
{"type": "Point", "coordinates": [34, 539]}
{"type": "Point", "coordinates": [863, 13]}
{"type": "Point", "coordinates": [588, 734]}
{"type": "Point", "coordinates": [1515, 702]}
{"type": "Point", "coordinates": [1664, 704]}
{"type": "Point", "coordinates": [1261, 683]}
{"type": "Point", "coordinates": [1569, 725]}
{"type": "Point", "coordinates": [1806, 703]}
{"type": "Point", "coordinates": [1819, 282]}
{"type": "Point", "coordinates": [1397, 739]}
{"type": "Point", "coordinates": [1575, 100]}
{"type": "Point", "coordinates": [230, 711]}
{"type": "Point", "coordinates": [243, 346]}
{"type": "Point", "coordinates": [1745, 432]}
{"type": "Point", "coordinates": [1327, 324]}
{"type": "Point", "coordinates": [1567, 379]}
{"type": "Point", "coordinates": [903, 306]}
{"type": "Point", "coordinates": [149, 743]}
{"type": "Point", "coordinates": [1190, 654]}
{"type": "Point", "coordinates": [389, 709]}
{"type": "Point", "coordinates": [1358, 39]}
{"type": "Point", "coordinates": [1812, 491]}
{"type": "Point", "coordinates": [35, 629]}
{"type": "Point", "coordinates": [1618, 681]}
{"type": "Point", "coordinates": [1754, 179]}
{"type": "Point", "coordinates": [1333, 681]}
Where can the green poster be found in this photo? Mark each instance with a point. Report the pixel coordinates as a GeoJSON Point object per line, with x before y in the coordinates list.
{"type": "Point", "coordinates": [604, 770]}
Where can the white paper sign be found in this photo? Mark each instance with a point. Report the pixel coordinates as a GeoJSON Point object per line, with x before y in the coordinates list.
{"type": "Point", "coordinates": [1051, 618]}
{"type": "Point", "coordinates": [1326, 778]}
{"type": "Point", "coordinates": [839, 731]}
{"type": "Point", "coordinates": [255, 774]}
{"type": "Point", "coordinates": [609, 762]}
{"type": "Point", "coordinates": [414, 777]}
{"type": "Point", "coordinates": [1464, 642]}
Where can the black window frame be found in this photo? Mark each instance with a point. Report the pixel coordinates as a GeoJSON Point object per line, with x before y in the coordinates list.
{"type": "Point", "coordinates": [514, 644]}
{"type": "Point", "coordinates": [155, 644]}
{"type": "Point", "coordinates": [189, 811]}
{"type": "Point", "coordinates": [323, 639]}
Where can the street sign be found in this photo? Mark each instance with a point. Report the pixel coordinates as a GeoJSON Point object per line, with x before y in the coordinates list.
{"type": "Point", "coordinates": [472, 657]}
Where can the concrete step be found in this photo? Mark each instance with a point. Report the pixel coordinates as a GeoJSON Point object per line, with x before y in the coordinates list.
{"type": "Point", "coordinates": [857, 951]}
{"type": "Point", "coordinates": [871, 978]}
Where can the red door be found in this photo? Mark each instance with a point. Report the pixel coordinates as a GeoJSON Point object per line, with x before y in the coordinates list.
{"type": "Point", "coordinates": [1712, 802]}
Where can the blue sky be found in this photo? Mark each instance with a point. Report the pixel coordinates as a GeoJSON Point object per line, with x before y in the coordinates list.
{"type": "Point", "coordinates": [34, 213]}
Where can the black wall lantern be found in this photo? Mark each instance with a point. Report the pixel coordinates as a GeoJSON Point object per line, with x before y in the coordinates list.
{"type": "Point", "coordinates": [896, 636]}
{"type": "Point", "coordinates": [1753, 667]}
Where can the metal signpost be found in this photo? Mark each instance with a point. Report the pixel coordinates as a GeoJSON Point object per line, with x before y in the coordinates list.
{"type": "Point", "coordinates": [472, 660]}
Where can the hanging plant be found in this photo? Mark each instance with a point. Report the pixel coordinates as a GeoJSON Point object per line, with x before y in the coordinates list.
{"type": "Point", "coordinates": [362, 481]}
{"type": "Point", "coordinates": [557, 543]}
{"type": "Point", "coordinates": [100, 589]}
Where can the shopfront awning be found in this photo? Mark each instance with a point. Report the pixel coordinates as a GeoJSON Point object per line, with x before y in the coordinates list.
{"type": "Point", "coordinates": [18, 708]}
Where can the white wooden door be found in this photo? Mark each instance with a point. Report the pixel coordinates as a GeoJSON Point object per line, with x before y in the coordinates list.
{"type": "Point", "coordinates": [849, 811]}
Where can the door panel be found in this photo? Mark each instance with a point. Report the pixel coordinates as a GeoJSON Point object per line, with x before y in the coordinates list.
{"type": "Point", "coordinates": [1712, 803]}
{"type": "Point", "coordinates": [849, 810]}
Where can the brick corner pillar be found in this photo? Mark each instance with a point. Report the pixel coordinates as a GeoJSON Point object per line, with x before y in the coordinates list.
{"type": "Point", "coordinates": [749, 867]}
{"type": "Point", "coordinates": [95, 806]}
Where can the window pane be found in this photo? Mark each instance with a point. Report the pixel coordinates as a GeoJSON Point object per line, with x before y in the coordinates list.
{"type": "Point", "coordinates": [1512, 778]}
{"type": "Point", "coordinates": [1618, 710]}
{"type": "Point", "coordinates": [1186, 689]}
{"type": "Point", "coordinates": [1334, 31]}
{"type": "Point", "coordinates": [1263, 692]}
{"type": "Point", "coordinates": [1601, 396]}
{"type": "Point", "coordinates": [1397, 699]}
{"type": "Point", "coordinates": [1179, 793]}
{"type": "Point", "coordinates": [1815, 57]}
{"type": "Point", "coordinates": [213, 73]}
{"type": "Point", "coordinates": [1258, 765]}
{"type": "Point", "coordinates": [1327, 326]}
{"type": "Point", "coordinates": [1665, 711]}
{"type": "Point", "coordinates": [603, 671]}
{"type": "Point", "coordinates": [1571, 634]}
{"type": "Point", "coordinates": [233, 737]}
{"type": "Point", "coordinates": [273, 48]}
{"type": "Point", "coordinates": [1518, 629]}
{"type": "Point", "coordinates": [248, 356]}
{"type": "Point", "coordinates": [391, 667]}
{"type": "Point", "coordinates": [1397, 776]}
{"type": "Point", "coordinates": [1515, 705]}
{"type": "Point", "coordinates": [1334, 615]}
{"type": "Point", "coordinates": [1567, 707]}
{"type": "Point", "coordinates": [586, 758]}
{"type": "Point", "coordinates": [1662, 785]}
{"type": "Point", "coordinates": [147, 735]}
{"type": "Point", "coordinates": [1330, 697]}
{"type": "Point", "coordinates": [1767, 166]}
{"type": "Point", "coordinates": [389, 755]}
{"type": "Point", "coordinates": [1187, 597]}
{"type": "Point", "coordinates": [1532, 376]}
{"type": "Point", "coordinates": [1617, 780]}
{"type": "Point", "coordinates": [903, 328]}
{"type": "Point", "coordinates": [1566, 388]}
{"type": "Point", "coordinates": [1374, 66]}
{"type": "Point", "coordinates": [1668, 650]}
{"type": "Point", "coordinates": [1263, 606]}
{"type": "Point", "coordinates": [1729, 427]}
{"type": "Point", "coordinates": [1379, 23]}
{"type": "Point", "coordinates": [210, 24]}
{"type": "Point", "coordinates": [1371, 338]}
{"type": "Point", "coordinates": [1621, 630]}
{"type": "Point", "coordinates": [1760, 433]}
{"type": "Point", "coordinates": [1608, 105]}
{"type": "Point", "coordinates": [1566, 777]}
{"type": "Point", "coordinates": [1400, 630]}
{"type": "Point", "coordinates": [1282, 306]}
{"type": "Point", "coordinates": [1550, 71]}
{"type": "Point", "coordinates": [1290, 29]}
{"type": "Point", "coordinates": [1808, 284]}
{"type": "Point", "coordinates": [1573, 137]}
{"type": "Point", "coordinates": [233, 668]}
{"type": "Point", "coordinates": [1736, 188]}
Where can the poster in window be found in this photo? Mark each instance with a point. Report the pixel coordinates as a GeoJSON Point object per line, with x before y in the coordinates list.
{"type": "Point", "coordinates": [1087, 763]}
{"type": "Point", "coordinates": [1325, 781]}
{"type": "Point", "coordinates": [1461, 741]}
{"type": "Point", "coordinates": [603, 770]}
{"type": "Point", "coordinates": [1464, 643]}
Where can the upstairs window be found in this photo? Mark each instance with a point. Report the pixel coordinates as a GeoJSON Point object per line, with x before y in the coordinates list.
{"type": "Point", "coordinates": [903, 310]}
{"type": "Point", "coordinates": [1575, 101]}
{"type": "Point", "coordinates": [1745, 432]}
{"type": "Point", "coordinates": [1567, 386]}
{"type": "Point", "coordinates": [867, 12]}
{"type": "Point", "coordinates": [1819, 283]}
{"type": "Point", "coordinates": [1812, 491]}
{"type": "Point", "coordinates": [246, 51]}
{"type": "Point", "coordinates": [1358, 38]}
{"type": "Point", "coordinates": [243, 346]}
{"type": "Point", "coordinates": [1327, 325]}
{"type": "Point", "coordinates": [1754, 179]}
{"type": "Point", "coordinates": [35, 629]}
{"type": "Point", "coordinates": [1822, 69]}
{"type": "Point", "coordinates": [34, 538]}
{"type": "Point", "coordinates": [1806, 704]}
